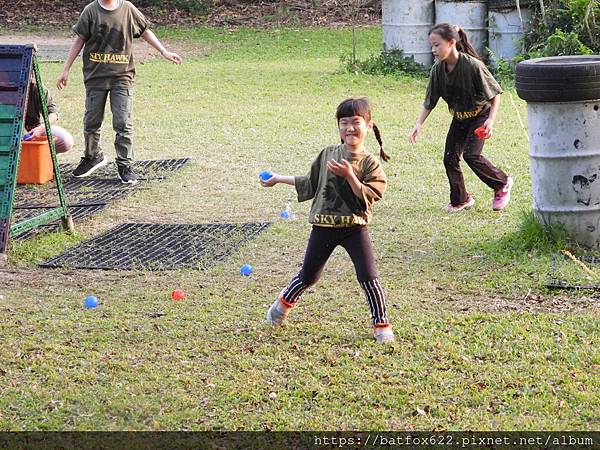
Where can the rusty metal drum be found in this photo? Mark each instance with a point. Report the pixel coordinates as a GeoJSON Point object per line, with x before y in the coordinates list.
{"type": "Point", "coordinates": [405, 26]}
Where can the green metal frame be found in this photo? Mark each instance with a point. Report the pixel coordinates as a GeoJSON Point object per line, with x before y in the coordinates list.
{"type": "Point", "coordinates": [62, 210]}
{"type": "Point", "coordinates": [9, 187]}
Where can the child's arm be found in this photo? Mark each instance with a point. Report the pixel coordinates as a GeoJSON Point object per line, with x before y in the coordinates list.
{"type": "Point", "coordinates": [40, 130]}
{"type": "Point", "coordinates": [151, 39]}
{"type": "Point", "coordinates": [344, 169]}
{"type": "Point", "coordinates": [76, 47]}
{"type": "Point", "coordinates": [275, 179]}
{"type": "Point", "coordinates": [412, 137]}
{"type": "Point", "coordinates": [489, 123]}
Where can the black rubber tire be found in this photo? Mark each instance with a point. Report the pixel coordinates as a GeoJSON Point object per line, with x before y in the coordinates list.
{"type": "Point", "coordinates": [559, 78]}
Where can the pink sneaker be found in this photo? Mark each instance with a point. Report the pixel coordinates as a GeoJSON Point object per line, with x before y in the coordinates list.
{"type": "Point", "coordinates": [466, 205]}
{"type": "Point", "coordinates": [502, 196]}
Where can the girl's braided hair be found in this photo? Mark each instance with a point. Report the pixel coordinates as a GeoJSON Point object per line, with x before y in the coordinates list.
{"type": "Point", "coordinates": [360, 106]}
{"type": "Point", "coordinates": [447, 32]}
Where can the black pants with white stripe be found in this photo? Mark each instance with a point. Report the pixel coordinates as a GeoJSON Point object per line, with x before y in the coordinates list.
{"type": "Point", "coordinates": [356, 241]}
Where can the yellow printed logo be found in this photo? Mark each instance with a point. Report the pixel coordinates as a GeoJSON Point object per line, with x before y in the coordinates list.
{"type": "Point", "coordinates": [464, 115]}
{"type": "Point", "coordinates": [109, 58]}
{"type": "Point", "coordinates": [336, 221]}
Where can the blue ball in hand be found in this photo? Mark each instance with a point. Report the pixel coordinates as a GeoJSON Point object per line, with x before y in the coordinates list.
{"type": "Point", "coordinates": [265, 175]}
{"type": "Point", "coordinates": [91, 301]}
{"type": "Point", "coordinates": [246, 270]}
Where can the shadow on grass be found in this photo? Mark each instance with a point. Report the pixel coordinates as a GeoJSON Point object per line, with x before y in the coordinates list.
{"type": "Point", "coordinates": [531, 239]}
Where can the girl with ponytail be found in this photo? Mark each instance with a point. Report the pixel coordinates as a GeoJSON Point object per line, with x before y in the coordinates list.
{"type": "Point", "coordinates": [344, 182]}
{"type": "Point", "coordinates": [473, 97]}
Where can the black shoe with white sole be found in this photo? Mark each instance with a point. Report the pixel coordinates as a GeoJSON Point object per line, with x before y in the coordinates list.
{"type": "Point", "coordinates": [126, 175]}
{"type": "Point", "coordinates": [88, 165]}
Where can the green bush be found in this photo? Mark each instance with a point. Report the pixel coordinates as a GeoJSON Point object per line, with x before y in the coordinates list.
{"type": "Point", "coordinates": [392, 62]}
{"type": "Point", "coordinates": [564, 27]}
{"type": "Point", "coordinates": [559, 44]}
{"type": "Point", "coordinates": [503, 71]}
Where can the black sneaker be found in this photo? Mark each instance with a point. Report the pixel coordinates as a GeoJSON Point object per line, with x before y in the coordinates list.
{"type": "Point", "coordinates": [127, 175]}
{"type": "Point", "coordinates": [88, 165]}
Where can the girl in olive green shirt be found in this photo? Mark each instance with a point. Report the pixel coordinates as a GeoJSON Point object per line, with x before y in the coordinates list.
{"type": "Point", "coordinates": [344, 182]}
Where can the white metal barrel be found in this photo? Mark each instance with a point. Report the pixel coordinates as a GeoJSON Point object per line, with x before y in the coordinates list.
{"type": "Point", "coordinates": [406, 25]}
{"type": "Point", "coordinates": [505, 29]}
{"type": "Point", "coordinates": [471, 16]}
{"type": "Point", "coordinates": [564, 150]}
{"type": "Point", "coordinates": [563, 114]}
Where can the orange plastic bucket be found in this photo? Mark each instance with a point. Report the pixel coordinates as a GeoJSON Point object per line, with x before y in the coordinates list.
{"type": "Point", "coordinates": [35, 165]}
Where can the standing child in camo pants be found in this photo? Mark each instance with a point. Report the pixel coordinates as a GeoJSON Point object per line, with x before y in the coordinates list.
{"type": "Point", "coordinates": [344, 182]}
{"type": "Point", "coordinates": [105, 30]}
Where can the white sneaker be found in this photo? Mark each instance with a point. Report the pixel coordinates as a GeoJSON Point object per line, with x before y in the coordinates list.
{"type": "Point", "coordinates": [383, 335]}
{"type": "Point", "coordinates": [277, 313]}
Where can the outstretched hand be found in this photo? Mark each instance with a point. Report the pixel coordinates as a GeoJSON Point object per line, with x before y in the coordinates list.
{"type": "Point", "coordinates": [173, 57]}
{"type": "Point", "coordinates": [270, 182]}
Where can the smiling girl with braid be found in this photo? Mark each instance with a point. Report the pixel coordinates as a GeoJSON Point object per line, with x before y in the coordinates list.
{"type": "Point", "coordinates": [344, 182]}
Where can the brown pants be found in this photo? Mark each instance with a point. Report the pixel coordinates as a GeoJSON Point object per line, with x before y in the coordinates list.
{"type": "Point", "coordinates": [461, 141]}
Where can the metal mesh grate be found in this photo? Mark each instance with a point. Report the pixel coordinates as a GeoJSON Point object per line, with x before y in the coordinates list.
{"type": "Point", "coordinates": [86, 196]}
{"type": "Point", "coordinates": [151, 169]}
{"type": "Point", "coordinates": [95, 184]}
{"type": "Point", "coordinates": [77, 213]}
{"type": "Point", "coordinates": [35, 231]}
{"type": "Point", "coordinates": [144, 246]}
{"type": "Point", "coordinates": [566, 274]}
{"type": "Point", "coordinates": [26, 199]}
{"type": "Point", "coordinates": [101, 187]}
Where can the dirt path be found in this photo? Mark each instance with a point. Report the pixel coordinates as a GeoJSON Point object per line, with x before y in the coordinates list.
{"type": "Point", "coordinates": [55, 47]}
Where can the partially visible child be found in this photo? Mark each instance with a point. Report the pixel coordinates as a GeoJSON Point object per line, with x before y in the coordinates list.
{"type": "Point", "coordinates": [105, 30]}
{"type": "Point", "coordinates": [34, 119]}
{"type": "Point", "coordinates": [344, 182]}
{"type": "Point", "coordinates": [473, 96]}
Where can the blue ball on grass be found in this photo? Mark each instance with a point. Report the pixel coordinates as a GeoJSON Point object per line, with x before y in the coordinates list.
{"type": "Point", "coordinates": [246, 270]}
{"type": "Point", "coordinates": [91, 301]}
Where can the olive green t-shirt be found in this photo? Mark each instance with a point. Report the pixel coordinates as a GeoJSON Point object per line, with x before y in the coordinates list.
{"type": "Point", "coordinates": [108, 50]}
{"type": "Point", "coordinates": [334, 203]}
{"type": "Point", "coordinates": [34, 115]}
{"type": "Point", "coordinates": [468, 89]}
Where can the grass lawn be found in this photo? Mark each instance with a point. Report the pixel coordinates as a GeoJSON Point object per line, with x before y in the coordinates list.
{"type": "Point", "coordinates": [481, 344]}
